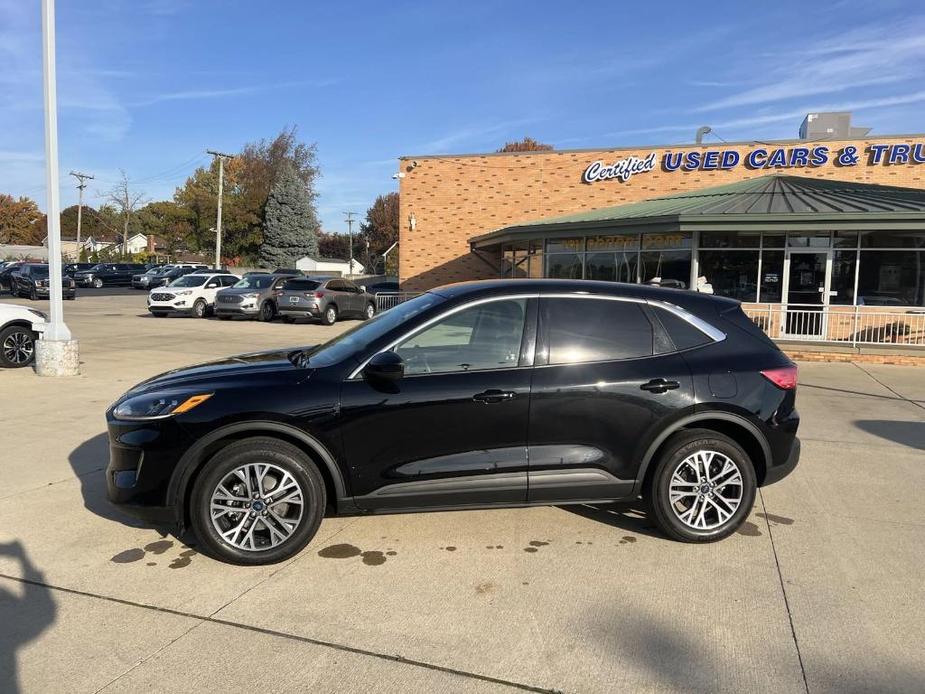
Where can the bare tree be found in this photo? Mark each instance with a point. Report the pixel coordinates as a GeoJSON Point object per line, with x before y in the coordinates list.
{"type": "Point", "coordinates": [126, 202]}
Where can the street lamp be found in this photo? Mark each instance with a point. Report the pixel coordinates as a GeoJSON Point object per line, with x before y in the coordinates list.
{"type": "Point", "coordinates": [56, 352]}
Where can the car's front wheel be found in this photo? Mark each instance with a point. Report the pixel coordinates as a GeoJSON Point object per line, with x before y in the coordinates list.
{"type": "Point", "coordinates": [703, 486]}
{"type": "Point", "coordinates": [97, 282]}
{"type": "Point", "coordinates": [200, 308]}
{"type": "Point", "coordinates": [17, 346]}
{"type": "Point", "coordinates": [257, 501]}
{"type": "Point", "coordinates": [370, 311]}
{"type": "Point", "coordinates": [267, 312]}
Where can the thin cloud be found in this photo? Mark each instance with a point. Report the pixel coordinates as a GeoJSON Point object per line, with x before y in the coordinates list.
{"type": "Point", "coordinates": [203, 94]}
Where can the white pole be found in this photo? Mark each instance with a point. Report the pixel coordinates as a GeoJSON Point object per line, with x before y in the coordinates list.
{"type": "Point", "coordinates": [218, 220]}
{"type": "Point", "coordinates": [56, 330]}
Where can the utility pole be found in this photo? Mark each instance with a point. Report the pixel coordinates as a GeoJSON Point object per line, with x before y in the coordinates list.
{"type": "Point", "coordinates": [218, 216]}
{"type": "Point", "coordinates": [350, 239]}
{"type": "Point", "coordinates": [81, 177]}
{"type": "Point", "coordinates": [56, 352]}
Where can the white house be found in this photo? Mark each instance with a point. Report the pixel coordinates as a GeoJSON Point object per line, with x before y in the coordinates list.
{"type": "Point", "coordinates": [328, 266]}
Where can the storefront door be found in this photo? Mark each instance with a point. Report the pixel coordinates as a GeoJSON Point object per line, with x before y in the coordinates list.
{"type": "Point", "coordinates": [806, 290]}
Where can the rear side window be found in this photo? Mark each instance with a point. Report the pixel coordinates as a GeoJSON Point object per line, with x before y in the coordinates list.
{"type": "Point", "coordinates": [586, 330]}
{"type": "Point", "coordinates": [682, 334]}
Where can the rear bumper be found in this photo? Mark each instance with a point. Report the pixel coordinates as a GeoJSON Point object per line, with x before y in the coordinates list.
{"type": "Point", "coordinates": [775, 473]}
{"type": "Point", "coordinates": [305, 311]}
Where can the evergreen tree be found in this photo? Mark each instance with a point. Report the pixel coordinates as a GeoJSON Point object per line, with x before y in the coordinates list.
{"type": "Point", "coordinates": [290, 223]}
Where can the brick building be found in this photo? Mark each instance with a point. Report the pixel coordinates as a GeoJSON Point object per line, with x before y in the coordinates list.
{"type": "Point", "coordinates": [810, 224]}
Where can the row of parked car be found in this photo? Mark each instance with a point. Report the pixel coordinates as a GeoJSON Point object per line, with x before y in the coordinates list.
{"type": "Point", "coordinates": [31, 280]}
{"type": "Point", "coordinates": [283, 293]}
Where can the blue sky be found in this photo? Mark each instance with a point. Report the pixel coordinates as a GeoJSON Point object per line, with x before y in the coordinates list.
{"type": "Point", "coordinates": [148, 85]}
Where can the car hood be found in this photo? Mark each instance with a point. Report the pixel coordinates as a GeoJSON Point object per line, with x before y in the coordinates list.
{"type": "Point", "coordinates": [240, 290]}
{"type": "Point", "coordinates": [234, 367]}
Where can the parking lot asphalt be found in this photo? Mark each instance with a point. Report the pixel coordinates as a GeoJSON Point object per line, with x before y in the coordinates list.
{"type": "Point", "coordinates": [820, 591]}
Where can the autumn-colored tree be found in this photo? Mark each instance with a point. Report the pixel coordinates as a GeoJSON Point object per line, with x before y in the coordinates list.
{"type": "Point", "coordinates": [171, 224]}
{"type": "Point", "coordinates": [19, 221]}
{"type": "Point", "coordinates": [528, 144]}
{"type": "Point", "coordinates": [380, 228]}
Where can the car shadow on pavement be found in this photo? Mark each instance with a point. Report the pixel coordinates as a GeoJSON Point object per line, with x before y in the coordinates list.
{"type": "Point", "coordinates": [911, 434]}
{"type": "Point", "coordinates": [88, 461]}
{"type": "Point", "coordinates": [627, 515]}
{"type": "Point", "coordinates": [24, 613]}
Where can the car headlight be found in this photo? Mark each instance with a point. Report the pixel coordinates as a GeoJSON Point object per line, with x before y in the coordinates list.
{"type": "Point", "coordinates": [184, 293]}
{"type": "Point", "coordinates": [158, 405]}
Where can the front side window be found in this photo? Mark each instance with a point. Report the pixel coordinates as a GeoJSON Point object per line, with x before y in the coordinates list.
{"type": "Point", "coordinates": [482, 337]}
{"type": "Point", "coordinates": [588, 330]}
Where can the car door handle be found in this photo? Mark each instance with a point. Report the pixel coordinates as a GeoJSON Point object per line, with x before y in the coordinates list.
{"type": "Point", "coordinates": [493, 395]}
{"type": "Point", "coordinates": [660, 385]}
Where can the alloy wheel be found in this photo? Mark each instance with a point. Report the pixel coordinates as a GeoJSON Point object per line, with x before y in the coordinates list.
{"type": "Point", "coordinates": [18, 347]}
{"type": "Point", "coordinates": [257, 507]}
{"type": "Point", "coordinates": [706, 489]}
{"type": "Point", "coordinates": [370, 310]}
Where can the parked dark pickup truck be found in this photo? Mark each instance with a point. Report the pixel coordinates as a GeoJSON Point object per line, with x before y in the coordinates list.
{"type": "Point", "coordinates": [108, 274]}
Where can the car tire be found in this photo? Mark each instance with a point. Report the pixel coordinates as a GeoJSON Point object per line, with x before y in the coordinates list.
{"type": "Point", "coordinates": [287, 465]}
{"type": "Point", "coordinates": [17, 347]}
{"type": "Point", "coordinates": [267, 311]}
{"type": "Point", "coordinates": [200, 308]}
{"type": "Point", "coordinates": [693, 495]}
{"type": "Point", "coordinates": [33, 295]}
{"type": "Point", "coordinates": [370, 311]}
{"type": "Point", "coordinates": [329, 317]}
{"type": "Point", "coordinates": [97, 283]}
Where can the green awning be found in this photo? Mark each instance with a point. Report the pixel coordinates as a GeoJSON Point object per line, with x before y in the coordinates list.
{"type": "Point", "coordinates": [761, 203]}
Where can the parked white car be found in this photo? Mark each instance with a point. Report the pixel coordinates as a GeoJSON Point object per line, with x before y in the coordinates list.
{"type": "Point", "coordinates": [192, 294]}
{"type": "Point", "coordinates": [19, 328]}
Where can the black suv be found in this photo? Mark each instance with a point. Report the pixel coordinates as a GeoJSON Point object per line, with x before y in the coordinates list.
{"type": "Point", "coordinates": [108, 274]}
{"type": "Point", "coordinates": [31, 280]}
{"type": "Point", "coordinates": [483, 394]}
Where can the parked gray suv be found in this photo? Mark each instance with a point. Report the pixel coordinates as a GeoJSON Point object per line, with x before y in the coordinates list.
{"type": "Point", "coordinates": [324, 298]}
{"type": "Point", "coordinates": [255, 296]}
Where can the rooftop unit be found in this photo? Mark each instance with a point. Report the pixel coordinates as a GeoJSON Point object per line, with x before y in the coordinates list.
{"type": "Point", "coordinates": [831, 125]}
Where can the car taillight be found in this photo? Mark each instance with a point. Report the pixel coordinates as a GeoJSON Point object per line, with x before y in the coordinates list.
{"type": "Point", "coordinates": [318, 295]}
{"type": "Point", "coordinates": [784, 378]}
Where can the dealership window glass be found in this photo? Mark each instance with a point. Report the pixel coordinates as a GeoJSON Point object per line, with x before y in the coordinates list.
{"type": "Point", "coordinates": [892, 239]}
{"type": "Point", "coordinates": [586, 330]}
{"type": "Point", "coordinates": [842, 284]}
{"type": "Point", "coordinates": [891, 278]}
{"type": "Point", "coordinates": [507, 261]}
{"type": "Point", "coordinates": [486, 336]}
{"type": "Point", "coordinates": [672, 268]}
{"type": "Point", "coordinates": [772, 276]}
{"type": "Point", "coordinates": [613, 243]}
{"type": "Point", "coordinates": [566, 266]}
{"type": "Point", "coordinates": [731, 273]}
{"type": "Point", "coordinates": [817, 240]}
{"type": "Point", "coordinates": [845, 239]}
{"type": "Point", "coordinates": [520, 268]}
{"type": "Point", "coordinates": [730, 239]}
{"type": "Point", "coordinates": [672, 240]}
{"type": "Point", "coordinates": [535, 263]}
{"type": "Point", "coordinates": [772, 240]}
{"type": "Point", "coordinates": [568, 245]}
{"type": "Point", "coordinates": [616, 266]}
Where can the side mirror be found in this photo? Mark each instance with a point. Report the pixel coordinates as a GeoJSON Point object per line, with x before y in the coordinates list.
{"type": "Point", "coordinates": [385, 367]}
{"type": "Point", "coordinates": [362, 287]}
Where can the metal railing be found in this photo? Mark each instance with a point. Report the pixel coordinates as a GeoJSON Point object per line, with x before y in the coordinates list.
{"type": "Point", "coordinates": [387, 300]}
{"type": "Point", "coordinates": [854, 325]}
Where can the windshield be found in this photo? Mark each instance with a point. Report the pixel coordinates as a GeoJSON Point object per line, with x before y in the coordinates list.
{"type": "Point", "coordinates": [156, 271]}
{"type": "Point", "coordinates": [359, 338]}
{"type": "Point", "coordinates": [97, 268]}
{"type": "Point", "coordinates": [254, 282]}
{"type": "Point", "coordinates": [189, 281]}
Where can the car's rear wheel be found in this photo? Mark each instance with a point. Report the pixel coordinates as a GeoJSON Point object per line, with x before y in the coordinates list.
{"type": "Point", "coordinates": [266, 312]}
{"type": "Point", "coordinates": [17, 347]}
{"type": "Point", "coordinates": [97, 282]}
{"type": "Point", "coordinates": [329, 317]}
{"type": "Point", "coordinates": [703, 486]}
{"type": "Point", "coordinates": [257, 501]}
{"type": "Point", "coordinates": [370, 310]}
{"type": "Point", "coordinates": [199, 308]}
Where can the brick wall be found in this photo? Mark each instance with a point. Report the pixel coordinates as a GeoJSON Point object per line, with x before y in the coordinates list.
{"type": "Point", "coordinates": [454, 198]}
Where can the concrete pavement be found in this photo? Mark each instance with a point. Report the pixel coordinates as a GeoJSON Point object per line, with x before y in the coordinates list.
{"type": "Point", "coordinates": [820, 591]}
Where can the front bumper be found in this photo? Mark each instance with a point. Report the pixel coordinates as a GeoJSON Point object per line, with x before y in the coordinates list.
{"type": "Point", "coordinates": [46, 291]}
{"type": "Point", "coordinates": [83, 281]}
{"type": "Point", "coordinates": [235, 310]}
{"type": "Point", "coordinates": [142, 459]}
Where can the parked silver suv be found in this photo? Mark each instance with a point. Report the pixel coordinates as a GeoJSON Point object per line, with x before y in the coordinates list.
{"type": "Point", "coordinates": [326, 299]}
{"type": "Point", "coordinates": [255, 296]}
